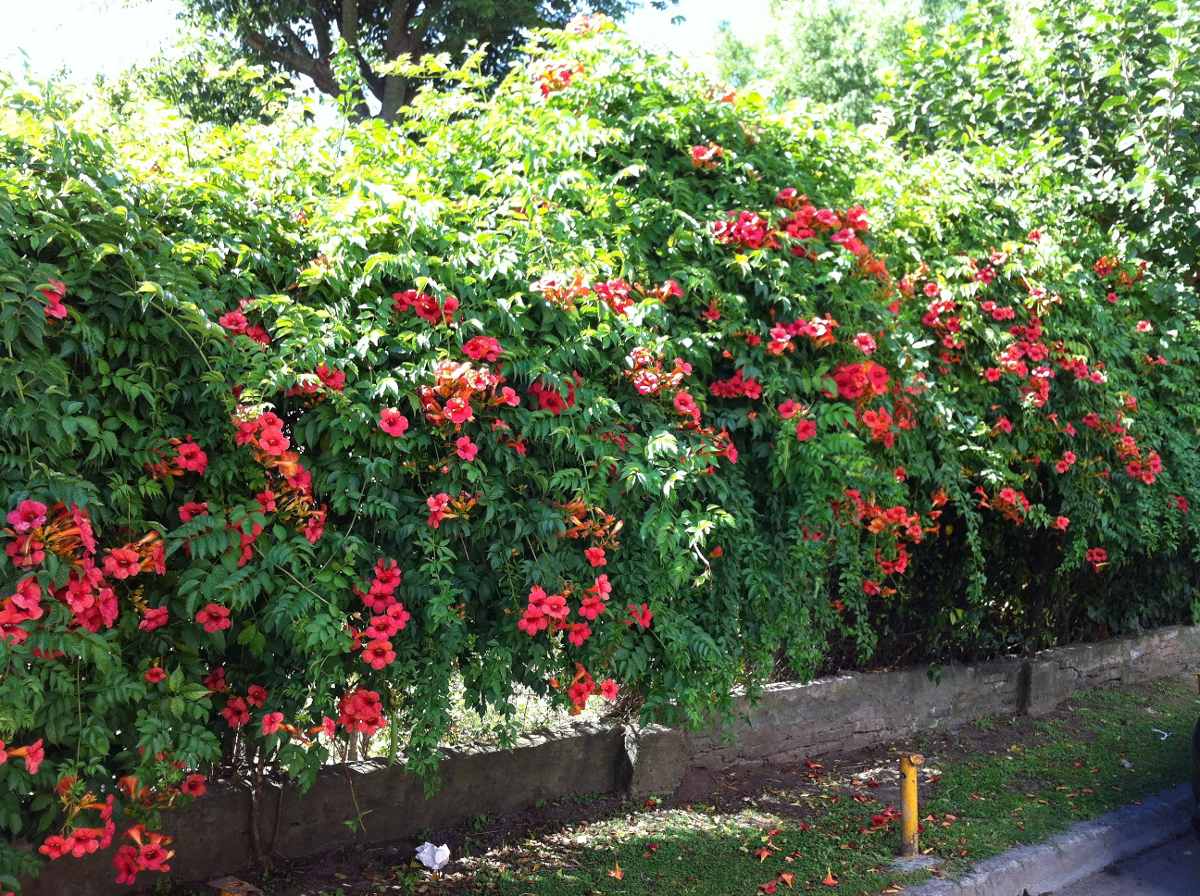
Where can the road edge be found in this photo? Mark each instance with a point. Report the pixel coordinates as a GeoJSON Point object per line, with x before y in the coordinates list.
{"type": "Point", "coordinates": [1077, 852]}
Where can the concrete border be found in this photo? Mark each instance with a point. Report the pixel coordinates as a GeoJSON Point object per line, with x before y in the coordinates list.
{"type": "Point", "coordinates": [1077, 853]}
{"type": "Point", "coordinates": [788, 721]}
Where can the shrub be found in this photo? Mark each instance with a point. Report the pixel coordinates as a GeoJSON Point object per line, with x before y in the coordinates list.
{"type": "Point", "coordinates": [600, 383]}
{"type": "Point", "coordinates": [205, 80]}
{"type": "Point", "coordinates": [1102, 99]}
{"type": "Point", "coordinates": [834, 52]}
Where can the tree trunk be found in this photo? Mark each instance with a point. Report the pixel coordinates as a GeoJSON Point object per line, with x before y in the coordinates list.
{"type": "Point", "coordinates": [396, 93]}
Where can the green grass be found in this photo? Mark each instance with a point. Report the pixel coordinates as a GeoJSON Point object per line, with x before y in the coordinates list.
{"type": "Point", "coordinates": [998, 784]}
{"type": "Point", "coordinates": [1104, 755]}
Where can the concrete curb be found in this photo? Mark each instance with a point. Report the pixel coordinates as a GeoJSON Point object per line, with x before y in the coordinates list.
{"type": "Point", "coordinates": [790, 721]}
{"type": "Point", "coordinates": [1078, 852]}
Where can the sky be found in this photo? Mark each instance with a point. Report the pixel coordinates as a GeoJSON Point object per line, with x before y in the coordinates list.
{"type": "Point", "coordinates": [91, 37]}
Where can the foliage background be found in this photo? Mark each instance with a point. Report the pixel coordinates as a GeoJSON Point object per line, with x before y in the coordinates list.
{"type": "Point", "coordinates": [753, 568]}
{"type": "Point", "coordinates": [837, 53]}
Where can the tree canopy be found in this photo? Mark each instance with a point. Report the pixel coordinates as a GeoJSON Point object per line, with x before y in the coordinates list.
{"type": "Point", "coordinates": [1100, 97]}
{"type": "Point", "coordinates": [831, 51]}
{"type": "Point", "coordinates": [302, 36]}
{"type": "Point", "coordinates": [205, 79]}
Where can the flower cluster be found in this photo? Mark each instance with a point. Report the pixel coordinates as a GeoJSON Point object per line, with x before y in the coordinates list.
{"type": "Point", "coordinates": [552, 398]}
{"type": "Point", "coordinates": [862, 381]}
{"type": "Point", "coordinates": [819, 331]}
{"type": "Point", "coordinates": [290, 488]}
{"type": "Point", "coordinates": [457, 391]}
{"type": "Point", "coordinates": [66, 532]}
{"type": "Point", "coordinates": [562, 291]}
{"type": "Point", "coordinates": [360, 711]}
{"type": "Point", "coordinates": [556, 77]}
{"type": "Point", "coordinates": [389, 615]}
{"type": "Point", "coordinates": [896, 526]}
{"type": "Point", "coordinates": [648, 376]}
{"type": "Point", "coordinates": [237, 324]}
{"type": "Point", "coordinates": [54, 293]}
{"type": "Point", "coordinates": [737, 386]}
{"type": "Point", "coordinates": [188, 458]}
{"type": "Point", "coordinates": [707, 157]}
{"type": "Point", "coordinates": [799, 229]}
{"type": "Point", "coordinates": [426, 307]}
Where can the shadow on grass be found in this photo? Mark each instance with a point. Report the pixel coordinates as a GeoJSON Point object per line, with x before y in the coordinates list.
{"type": "Point", "coordinates": [986, 787]}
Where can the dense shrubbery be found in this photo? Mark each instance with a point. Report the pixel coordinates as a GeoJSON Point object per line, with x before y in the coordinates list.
{"type": "Point", "coordinates": [603, 382]}
{"type": "Point", "coordinates": [833, 52]}
{"type": "Point", "coordinates": [204, 80]}
{"type": "Point", "coordinates": [1101, 98]}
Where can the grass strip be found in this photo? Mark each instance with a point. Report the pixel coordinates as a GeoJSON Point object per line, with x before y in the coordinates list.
{"type": "Point", "coordinates": [998, 783]}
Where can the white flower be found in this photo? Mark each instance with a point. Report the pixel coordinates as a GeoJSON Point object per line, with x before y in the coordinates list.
{"type": "Point", "coordinates": [433, 857]}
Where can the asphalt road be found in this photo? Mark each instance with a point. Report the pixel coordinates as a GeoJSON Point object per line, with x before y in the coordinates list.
{"type": "Point", "coordinates": [1172, 869]}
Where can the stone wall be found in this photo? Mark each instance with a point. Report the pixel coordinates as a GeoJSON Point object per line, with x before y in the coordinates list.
{"type": "Point", "coordinates": [1056, 674]}
{"type": "Point", "coordinates": [789, 721]}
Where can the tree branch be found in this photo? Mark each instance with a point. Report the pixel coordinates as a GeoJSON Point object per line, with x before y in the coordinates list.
{"type": "Point", "coordinates": [397, 32]}
{"type": "Point", "coordinates": [398, 40]}
{"type": "Point", "coordinates": [294, 41]}
{"type": "Point", "coordinates": [426, 17]}
{"type": "Point", "coordinates": [321, 27]}
{"type": "Point", "coordinates": [377, 83]}
{"type": "Point", "coordinates": [350, 22]}
{"type": "Point", "coordinates": [301, 63]}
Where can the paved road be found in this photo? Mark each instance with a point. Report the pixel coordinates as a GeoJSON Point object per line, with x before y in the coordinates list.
{"type": "Point", "coordinates": [1172, 869]}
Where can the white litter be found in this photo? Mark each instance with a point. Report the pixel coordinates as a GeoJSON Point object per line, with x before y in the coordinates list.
{"type": "Point", "coordinates": [433, 857]}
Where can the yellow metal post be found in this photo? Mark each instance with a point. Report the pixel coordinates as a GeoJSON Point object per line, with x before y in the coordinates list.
{"type": "Point", "coordinates": [909, 763]}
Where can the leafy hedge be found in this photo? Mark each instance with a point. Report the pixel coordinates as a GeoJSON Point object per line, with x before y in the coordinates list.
{"type": "Point", "coordinates": [1100, 97]}
{"type": "Point", "coordinates": [603, 383]}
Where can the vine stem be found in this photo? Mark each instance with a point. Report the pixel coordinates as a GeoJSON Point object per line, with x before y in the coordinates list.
{"type": "Point", "coordinates": [255, 837]}
{"type": "Point", "coordinates": [349, 529]}
{"type": "Point", "coordinates": [358, 813]}
{"type": "Point", "coordinates": [287, 572]}
{"type": "Point", "coordinates": [167, 314]}
{"type": "Point", "coordinates": [79, 712]}
{"type": "Point", "coordinates": [21, 395]}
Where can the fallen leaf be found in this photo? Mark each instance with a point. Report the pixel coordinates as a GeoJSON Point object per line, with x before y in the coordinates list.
{"type": "Point", "coordinates": [617, 873]}
{"type": "Point", "coordinates": [763, 853]}
{"type": "Point", "coordinates": [787, 878]}
{"type": "Point", "coordinates": [830, 880]}
{"type": "Point", "coordinates": [769, 887]}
